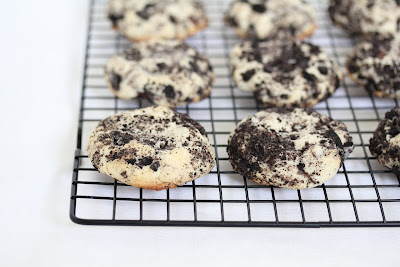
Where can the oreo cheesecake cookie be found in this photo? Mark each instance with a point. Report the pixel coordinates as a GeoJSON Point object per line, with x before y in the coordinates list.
{"type": "Point", "coordinates": [290, 148]}
{"type": "Point", "coordinates": [375, 65]}
{"type": "Point", "coordinates": [366, 17]}
{"type": "Point", "coordinates": [151, 148]}
{"type": "Point", "coordinates": [285, 73]}
{"type": "Point", "coordinates": [271, 19]}
{"type": "Point", "coordinates": [144, 20]}
{"type": "Point", "coordinates": [385, 143]}
{"type": "Point", "coordinates": [167, 73]}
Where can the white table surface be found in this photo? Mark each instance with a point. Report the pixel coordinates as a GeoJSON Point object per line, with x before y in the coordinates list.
{"type": "Point", "coordinates": [41, 67]}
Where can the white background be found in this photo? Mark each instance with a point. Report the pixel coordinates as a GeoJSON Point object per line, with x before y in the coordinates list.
{"type": "Point", "coordinates": [42, 49]}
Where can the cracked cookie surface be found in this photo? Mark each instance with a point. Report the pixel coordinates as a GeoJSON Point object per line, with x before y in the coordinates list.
{"type": "Point", "coordinates": [375, 65]}
{"type": "Point", "coordinates": [168, 73]}
{"type": "Point", "coordinates": [151, 148]}
{"type": "Point", "coordinates": [291, 148]}
{"type": "Point", "coordinates": [366, 17]}
{"type": "Point", "coordinates": [385, 143]}
{"type": "Point", "coordinates": [144, 20]}
{"type": "Point", "coordinates": [285, 74]}
{"type": "Point", "coordinates": [271, 19]}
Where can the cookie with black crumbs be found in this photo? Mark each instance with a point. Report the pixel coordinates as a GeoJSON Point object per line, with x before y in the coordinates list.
{"type": "Point", "coordinates": [285, 73]}
{"type": "Point", "coordinates": [168, 73]}
{"type": "Point", "coordinates": [144, 20]}
{"type": "Point", "coordinates": [291, 148]}
{"type": "Point", "coordinates": [375, 65]}
{"type": "Point", "coordinates": [271, 19]}
{"type": "Point", "coordinates": [151, 148]}
{"type": "Point", "coordinates": [385, 143]}
{"type": "Point", "coordinates": [361, 18]}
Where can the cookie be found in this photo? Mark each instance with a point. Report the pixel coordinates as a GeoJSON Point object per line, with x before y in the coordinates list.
{"type": "Point", "coordinates": [144, 20]}
{"type": "Point", "coordinates": [168, 73]}
{"type": "Point", "coordinates": [284, 73]}
{"type": "Point", "coordinates": [151, 148]}
{"type": "Point", "coordinates": [365, 17]}
{"type": "Point", "coordinates": [291, 148]}
{"type": "Point", "coordinates": [271, 19]}
{"type": "Point", "coordinates": [375, 65]}
{"type": "Point", "coordinates": [385, 143]}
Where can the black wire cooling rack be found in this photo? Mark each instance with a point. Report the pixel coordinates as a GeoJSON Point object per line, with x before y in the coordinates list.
{"type": "Point", "coordinates": [362, 194]}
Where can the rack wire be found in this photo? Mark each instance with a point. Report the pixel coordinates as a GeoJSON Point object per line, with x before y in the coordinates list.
{"type": "Point", "coordinates": [363, 193]}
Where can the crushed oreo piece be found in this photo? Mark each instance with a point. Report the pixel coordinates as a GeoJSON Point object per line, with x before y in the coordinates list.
{"type": "Point", "coordinates": [115, 80]}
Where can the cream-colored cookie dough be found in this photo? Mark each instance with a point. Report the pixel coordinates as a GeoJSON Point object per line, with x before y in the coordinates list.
{"type": "Point", "coordinates": [168, 73]}
{"type": "Point", "coordinates": [365, 17]}
{"type": "Point", "coordinates": [285, 74]}
{"type": "Point", "coordinates": [144, 20]}
{"type": "Point", "coordinates": [151, 148]}
{"type": "Point", "coordinates": [385, 143]}
{"type": "Point", "coordinates": [375, 65]}
{"type": "Point", "coordinates": [294, 149]}
{"type": "Point", "coordinates": [271, 19]}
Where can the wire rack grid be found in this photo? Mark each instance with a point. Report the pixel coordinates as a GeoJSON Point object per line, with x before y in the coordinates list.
{"type": "Point", "coordinates": [363, 193]}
